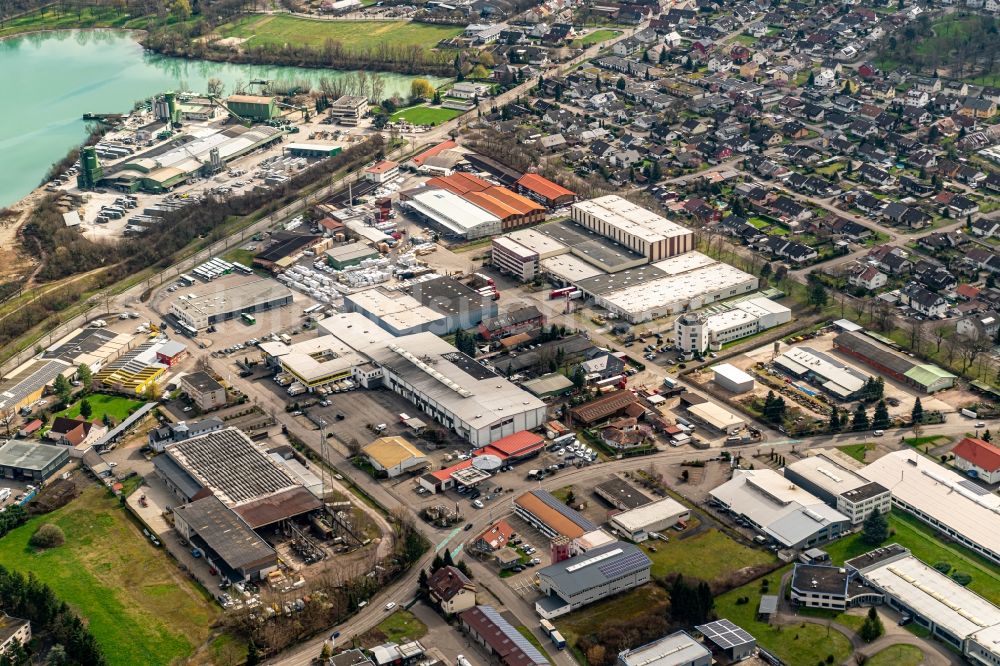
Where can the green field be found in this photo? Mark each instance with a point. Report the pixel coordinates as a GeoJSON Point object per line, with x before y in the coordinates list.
{"type": "Point", "coordinates": [138, 606]}
{"type": "Point", "coordinates": [857, 451]}
{"type": "Point", "coordinates": [804, 643]}
{"type": "Point", "coordinates": [708, 556]}
{"type": "Point", "coordinates": [643, 600]}
{"type": "Point", "coordinates": [595, 37]}
{"type": "Point", "coordinates": [927, 547]}
{"type": "Point", "coordinates": [897, 655]}
{"type": "Point", "coordinates": [401, 625]}
{"type": "Point", "coordinates": [279, 30]}
{"type": "Point", "coordinates": [425, 115]}
{"type": "Point", "coordinates": [115, 406]}
{"type": "Point", "coordinates": [244, 257]}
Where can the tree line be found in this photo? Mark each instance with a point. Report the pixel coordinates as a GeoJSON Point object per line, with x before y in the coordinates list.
{"type": "Point", "coordinates": [30, 599]}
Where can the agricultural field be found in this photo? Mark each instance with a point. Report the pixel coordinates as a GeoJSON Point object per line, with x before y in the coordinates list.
{"type": "Point", "coordinates": [278, 30]}
{"type": "Point", "coordinates": [928, 547]}
{"type": "Point", "coordinates": [425, 115]}
{"type": "Point", "coordinates": [137, 605]}
{"type": "Point", "coordinates": [708, 556]}
{"type": "Point", "coordinates": [115, 406]}
{"type": "Point", "coordinates": [804, 643]}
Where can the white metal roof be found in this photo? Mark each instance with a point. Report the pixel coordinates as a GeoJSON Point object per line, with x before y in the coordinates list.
{"type": "Point", "coordinates": [630, 218]}
{"type": "Point", "coordinates": [451, 210]}
{"type": "Point", "coordinates": [732, 373]}
{"type": "Point", "coordinates": [643, 516]}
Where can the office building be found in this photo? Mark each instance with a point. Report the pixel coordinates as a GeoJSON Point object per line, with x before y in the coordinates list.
{"type": "Point", "coordinates": [591, 576]}
{"type": "Point", "coordinates": [677, 649]}
{"type": "Point", "coordinates": [313, 362]}
{"type": "Point", "coordinates": [204, 390]}
{"type": "Point", "coordinates": [697, 332]}
{"type": "Point", "coordinates": [824, 586]}
{"type": "Point", "coordinates": [638, 229]}
{"type": "Point", "coordinates": [841, 488]}
{"type": "Point", "coordinates": [349, 110]}
{"type": "Point", "coordinates": [780, 510]}
{"type": "Point", "coordinates": [13, 631]}
{"type": "Point", "coordinates": [947, 501]}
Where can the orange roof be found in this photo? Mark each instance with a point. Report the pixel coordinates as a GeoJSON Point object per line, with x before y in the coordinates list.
{"type": "Point", "coordinates": [382, 167]}
{"type": "Point", "coordinates": [543, 186]}
{"type": "Point", "coordinates": [502, 202]}
{"type": "Point", "coordinates": [979, 452]}
{"type": "Point", "coordinates": [512, 445]}
{"type": "Point", "coordinates": [549, 516]}
{"type": "Point", "coordinates": [490, 204]}
{"type": "Point", "coordinates": [524, 205]}
{"type": "Point", "coordinates": [459, 183]}
{"type": "Point", "coordinates": [497, 535]}
{"type": "Point", "coordinates": [431, 152]}
{"type": "Point", "coordinates": [445, 474]}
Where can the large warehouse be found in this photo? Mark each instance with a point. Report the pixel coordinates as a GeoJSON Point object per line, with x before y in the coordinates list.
{"type": "Point", "coordinates": [313, 361]}
{"type": "Point", "coordinates": [452, 215]}
{"type": "Point", "coordinates": [948, 610]}
{"type": "Point", "coordinates": [779, 509]}
{"type": "Point", "coordinates": [638, 229]}
{"type": "Point", "coordinates": [436, 304]}
{"type": "Point", "coordinates": [591, 576]}
{"type": "Point", "coordinates": [27, 383]}
{"type": "Point", "coordinates": [551, 517]}
{"type": "Point", "coordinates": [927, 377]}
{"type": "Point", "coordinates": [513, 209]}
{"type": "Point", "coordinates": [258, 295]}
{"type": "Point", "coordinates": [836, 378]}
{"type": "Point", "coordinates": [31, 461]}
{"type": "Point", "coordinates": [841, 488]}
{"type": "Point", "coordinates": [947, 501]}
{"type": "Point", "coordinates": [636, 524]}
{"type": "Point", "coordinates": [455, 390]}
{"type": "Point", "coordinates": [226, 540]}
{"type": "Point", "coordinates": [232, 467]}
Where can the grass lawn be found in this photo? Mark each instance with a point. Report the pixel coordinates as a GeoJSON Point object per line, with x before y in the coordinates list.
{"type": "Point", "coordinates": [927, 547]}
{"type": "Point", "coordinates": [928, 439]}
{"type": "Point", "coordinates": [425, 115]}
{"type": "Point", "coordinates": [897, 655]}
{"type": "Point", "coordinates": [115, 406]}
{"type": "Point", "coordinates": [852, 621]}
{"type": "Point", "coordinates": [758, 223]}
{"type": "Point", "coordinates": [647, 599]}
{"type": "Point", "coordinates": [400, 625]}
{"type": "Point", "coordinates": [595, 37]}
{"type": "Point", "coordinates": [795, 644]}
{"type": "Point", "coordinates": [857, 451]}
{"type": "Point", "coordinates": [138, 606]}
{"type": "Point", "coordinates": [240, 255]}
{"type": "Point", "coordinates": [746, 40]}
{"type": "Point", "coordinates": [707, 556]}
{"type": "Point", "coordinates": [279, 30]}
{"type": "Point", "coordinates": [562, 494]}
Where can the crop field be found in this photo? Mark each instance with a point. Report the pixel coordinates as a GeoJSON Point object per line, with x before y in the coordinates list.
{"type": "Point", "coordinates": [280, 30]}
{"type": "Point", "coordinates": [138, 606]}
{"type": "Point", "coordinates": [425, 115]}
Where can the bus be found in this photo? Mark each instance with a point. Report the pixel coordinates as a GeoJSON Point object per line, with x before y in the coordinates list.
{"type": "Point", "coordinates": [558, 640]}
{"type": "Point", "coordinates": [547, 627]}
{"type": "Point", "coordinates": [248, 319]}
{"type": "Point", "coordinates": [312, 309]}
{"type": "Point", "coordinates": [186, 280]}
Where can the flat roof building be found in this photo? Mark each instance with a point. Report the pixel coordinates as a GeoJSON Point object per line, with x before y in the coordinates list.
{"type": "Point", "coordinates": [551, 517]}
{"type": "Point", "coordinates": [695, 333]}
{"type": "Point", "coordinates": [227, 541]}
{"type": "Point", "coordinates": [31, 461]}
{"type": "Point", "coordinates": [349, 109]}
{"type": "Point", "coordinates": [26, 384]}
{"type": "Point", "coordinates": [514, 259]}
{"type": "Point", "coordinates": [950, 611]}
{"type": "Point", "coordinates": [440, 305]}
{"type": "Point", "coordinates": [204, 390]}
{"type": "Point", "coordinates": [621, 494]}
{"type": "Point", "coordinates": [349, 254]}
{"type": "Point", "coordinates": [637, 524]}
{"type": "Point", "coordinates": [314, 361]}
{"type": "Point", "coordinates": [455, 390]}
{"type": "Point", "coordinates": [729, 639]}
{"type": "Point", "coordinates": [836, 378]}
{"type": "Point", "coordinates": [591, 576]}
{"type": "Point", "coordinates": [677, 649]}
{"type": "Point", "coordinates": [947, 501]}
{"type": "Point", "coordinates": [841, 488]}
{"type": "Point", "coordinates": [717, 416]}
{"type": "Point", "coordinates": [825, 586]}
{"type": "Point", "coordinates": [779, 509]}
{"type": "Point", "coordinates": [732, 379]}
{"type": "Point", "coordinates": [633, 226]}
{"type": "Point", "coordinates": [201, 311]}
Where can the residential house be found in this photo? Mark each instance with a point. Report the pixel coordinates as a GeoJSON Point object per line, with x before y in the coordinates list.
{"type": "Point", "coordinates": [868, 277]}
{"type": "Point", "coordinates": [983, 326]}
{"type": "Point", "coordinates": [451, 590]}
{"type": "Point", "coordinates": [923, 300]}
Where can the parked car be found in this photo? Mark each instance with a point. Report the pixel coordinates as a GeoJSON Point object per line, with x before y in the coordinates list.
{"type": "Point", "coordinates": [389, 606]}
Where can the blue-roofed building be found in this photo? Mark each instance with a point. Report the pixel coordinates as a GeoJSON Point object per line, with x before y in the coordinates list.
{"type": "Point", "coordinates": [591, 576]}
{"type": "Point", "coordinates": [500, 638]}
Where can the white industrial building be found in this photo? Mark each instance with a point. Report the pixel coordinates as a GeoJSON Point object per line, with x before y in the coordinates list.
{"type": "Point", "coordinates": [638, 229]}
{"type": "Point", "coordinates": [677, 649]}
{"type": "Point", "coordinates": [636, 524]}
{"type": "Point", "coordinates": [717, 416]}
{"type": "Point", "coordinates": [838, 379]}
{"type": "Point", "coordinates": [589, 577]}
{"type": "Point", "coordinates": [314, 361]}
{"type": "Point", "coordinates": [453, 215]}
{"type": "Point", "coordinates": [514, 259]}
{"type": "Point", "coordinates": [841, 488]}
{"type": "Point", "coordinates": [947, 501]}
{"type": "Point", "coordinates": [211, 307]}
{"type": "Point", "coordinates": [396, 311]}
{"type": "Point", "coordinates": [732, 379]}
{"type": "Point", "coordinates": [779, 509]}
{"type": "Point", "coordinates": [455, 390]}
{"type": "Point", "coordinates": [951, 612]}
{"type": "Point", "coordinates": [694, 333]}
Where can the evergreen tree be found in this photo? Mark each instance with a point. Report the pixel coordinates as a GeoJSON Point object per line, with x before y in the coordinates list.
{"type": "Point", "coordinates": [448, 562]}
{"type": "Point", "coordinates": [663, 56]}
{"type": "Point", "coordinates": [85, 376]}
{"type": "Point", "coordinates": [875, 529]}
{"type": "Point", "coordinates": [579, 377]}
{"type": "Point", "coordinates": [86, 410]}
{"type": "Point", "coordinates": [774, 408]}
{"type": "Point", "coordinates": [860, 421]}
{"type": "Point", "coordinates": [987, 437]}
{"type": "Point", "coordinates": [835, 423]}
{"type": "Point", "coordinates": [62, 388]}
{"type": "Point", "coordinates": [872, 628]}
{"type": "Point", "coordinates": [253, 654]}
{"type": "Point", "coordinates": [880, 420]}
{"type": "Point", "coordinates": [765, 270]}
{"type": "Point", "coordinates": [917, 414]}
{"type": "Point", "coordinates": [422, 580]}
{"type": "Point", "coordinates": [812, 79]}
{"type": "Point", "coordinates": [620, 83]}
{"type": "Point", "coordinates": [818, 295]}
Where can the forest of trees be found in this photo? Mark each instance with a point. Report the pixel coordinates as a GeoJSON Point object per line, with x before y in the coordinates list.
{"type": "Point", "coordinates": [959, 46]}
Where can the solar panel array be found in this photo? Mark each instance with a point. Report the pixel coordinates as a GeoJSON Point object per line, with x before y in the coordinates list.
{"type": "Point", "coordinates": [553, 503]}
{"type": "Point", "coordinates": [725, 634]}
{"type": "Point", "coordinates": [622, 566]}
{"type": "Point", "coordinates": [513, 634]}
{"type": "Point", "coordinates": [973, 487]}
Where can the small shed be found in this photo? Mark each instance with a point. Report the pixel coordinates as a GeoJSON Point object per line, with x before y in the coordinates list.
{"type": "Point", "coordinates": [768, 607]}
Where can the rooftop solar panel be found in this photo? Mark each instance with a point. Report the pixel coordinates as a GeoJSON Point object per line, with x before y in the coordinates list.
{"type": "Point", "coordinates": [725, 634]}
{"type": "Point", "coordinates": [623, 565]}
{"type": "Point", "coordinates": [973, 487]}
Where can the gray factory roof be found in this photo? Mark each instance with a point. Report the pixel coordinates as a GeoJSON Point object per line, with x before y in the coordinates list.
{"type": "Point", "coordinates": [86, 341]}
{"type": "Point", "coordinates": [622, 494]}
{"type": "Point", "coordinates": [593, 247]}
{"type": "Point", "coordinates": [225, 533]}
{"type": "Point", "coordinates": [609, 282]}
{"type": "Point", "coordinates": [244, 295]}
{"type": "Point", "coordinates": [595, 567]}
{"type": "Point", "coordinates": [29, 455]}
{"type": "Point", "coordinates": [677, 649]}
{"type": "Point", "coordinates": [28, 379]}
{"type": "Point", "coordinates": [201, 381]}
{"type": "Point", "coordinates": [232, 466]}
{"type": "Point", "coordinates": [828, 474]}
{"type": "Point", "coordinates": [447, 295]}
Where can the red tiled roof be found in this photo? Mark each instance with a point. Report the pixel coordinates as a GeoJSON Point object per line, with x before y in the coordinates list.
{"type": "Point", "coordinates": [967, 291]}
{"type": "Point", "coordinates": [444, 474]}
{"type": "Point", "coordinates": [518, 443]}
{"type": "Point", "coordinates": [496, 535]}
{"type": "Point", "coordinates": [431, 152]}
{"type": "Point", "coordinates": [460, 183]}
{"type": "Point", "coordinates": [979, 452]}
{"type": "Point", "coordinates": [543, 186]}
